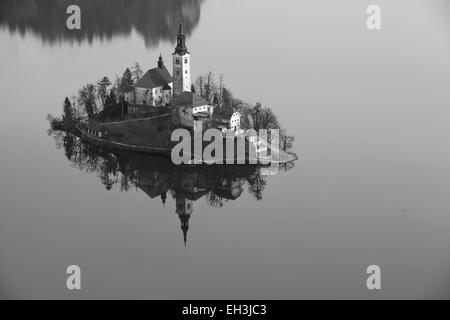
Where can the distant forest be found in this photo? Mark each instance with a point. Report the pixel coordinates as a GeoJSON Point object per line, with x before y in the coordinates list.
{"type": "Point", "coordinates": [155, 20]}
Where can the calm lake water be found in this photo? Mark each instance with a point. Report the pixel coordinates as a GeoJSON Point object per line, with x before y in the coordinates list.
{"type": "Point", "coordinates": [369, 111]}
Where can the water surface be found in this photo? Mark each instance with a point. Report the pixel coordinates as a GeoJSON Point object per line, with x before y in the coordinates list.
{"type": "Point", "coordinates": [369, 110]}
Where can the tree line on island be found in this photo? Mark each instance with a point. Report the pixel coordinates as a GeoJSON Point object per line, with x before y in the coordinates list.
{"type": "Point", "coordinates": [101, 101]}
{"type": "Point", "coordinates": [105, 101]}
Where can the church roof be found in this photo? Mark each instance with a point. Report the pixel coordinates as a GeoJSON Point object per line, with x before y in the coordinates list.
{"type": "Point", "coordinates": [189, 99]}
{"type": "Point", "coordinates": [201, 115]}
{"type": "Point", "coordinates": [194, 196]}
{"type": "Point", "coordinates": [154, 78]}
{"type": "Point", "coordinates": [151, 191]}
{"type": "Point", "coordinates": [227, 193]}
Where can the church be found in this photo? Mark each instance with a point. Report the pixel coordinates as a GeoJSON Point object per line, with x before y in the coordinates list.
{"type": "Point", "coordinates": [158, 88]}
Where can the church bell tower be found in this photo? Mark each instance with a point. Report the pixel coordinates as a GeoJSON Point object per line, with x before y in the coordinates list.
{"type": "Point", "coordinates": [181, 66]}
{"type": "Point", "coordinates": [184, 211]}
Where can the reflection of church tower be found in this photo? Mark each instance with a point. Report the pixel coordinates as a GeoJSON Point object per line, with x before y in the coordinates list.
{"type": "Point", "coordinates": [184, 211]}
{"type": "Point", "coordinates": [163, 198]}
{"type": "Point", "coordinates": [181, 66]}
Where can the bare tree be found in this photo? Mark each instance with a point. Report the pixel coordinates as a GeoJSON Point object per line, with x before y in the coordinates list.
{"type": "Point", "coordinates": [136, 72]}
{"type": "Point", "coordinates": [210, 86]}
{"type": "Point", "coordinates": [86, 98]}
{"type": "Point", "coordinates": [199, 86]}
{"type": "Point", "coordinates": [256, 185]}
{"type": "Point", "coordinates": [263, 118]}
{"type": "Point", "coordinates": [220, 88]}
{"type": "Point", "coordinates": [214, 200]}
{"type": "Point", "coordinates": [118, 86]}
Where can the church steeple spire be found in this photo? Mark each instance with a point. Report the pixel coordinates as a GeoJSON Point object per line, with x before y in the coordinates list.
{"type": "Point", "coordinates": [181, 28]}
{"type": "Point", "coordinates": [163, 198]}
{"type": "Point", "coordinates": [184, 211]}
{"type": "Point", "coordinates": [185, 226]}
{"type": "Point", "coordinates": [181, 42]}
{"type": "Point", "coordinates": [160, 62]}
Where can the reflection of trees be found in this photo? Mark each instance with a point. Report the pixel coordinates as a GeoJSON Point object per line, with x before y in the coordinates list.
{"type": "Point", "coordinates": [214, 200]}
{"type": "Point", "coordinates": [287, 166]}
{"type": "Point", "coordinates": [256, 185]}
{"type": "Point", "coordinates": [158, 176]}
{"type": "Point", "coordinates": [155, 20]}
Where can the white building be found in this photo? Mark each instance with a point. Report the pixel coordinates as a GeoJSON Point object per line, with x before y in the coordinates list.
{"type": "Point", "coordinates": [235, 121]}
{"type": "Point", "coordinates": [227, 118]}
{"type": "Point", "coordinates": [199, 107]}
{"type": "Point", "coordinates": [158, 88]}
{"type": "Point", "coordinates": [155, 87]}
{"type": "Point", "coordinates": [181, 66]}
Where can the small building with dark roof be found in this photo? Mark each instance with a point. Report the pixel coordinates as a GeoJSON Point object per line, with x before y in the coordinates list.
{"type": "Point", "coordinates": [155, 87]}
{"type": "Point", "coordinates": [227, 118]}
{"type": "Point", "coordinates": [159, 88]}
{"type": "Point", "coordinates": [193, 101]}
{"type": "Point", "coordinates": [192, 105]}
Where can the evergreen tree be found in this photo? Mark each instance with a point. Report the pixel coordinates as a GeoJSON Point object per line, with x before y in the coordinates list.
{"type": "Point", "coordinates": [118, 86]}
{"type": "Point", "coordinates": [68, 112]}
{"type": "Point", "coordinates": [227, 97]}
{"type": "Point", "coordinates": [69, 145]}
{"type": "Point", "coordinates": [127, 81]}
{"type": "Point", "coordinates": [111, 99]}
{"type": "Point", "coordinates": [256, 185]}
{"type": "Point", "coordinates": [102, 89]}
{"type": "Point", "coordinates": [216, 100]}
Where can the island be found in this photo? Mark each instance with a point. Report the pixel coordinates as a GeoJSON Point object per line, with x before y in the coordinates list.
{"type": "Point", "coordinates": [167, 114]}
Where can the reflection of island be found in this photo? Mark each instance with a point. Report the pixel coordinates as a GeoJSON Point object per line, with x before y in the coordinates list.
{"type": "Point", "coordinates": [158, 177]}
{"type": "Point", "coordinates": [153, 19]}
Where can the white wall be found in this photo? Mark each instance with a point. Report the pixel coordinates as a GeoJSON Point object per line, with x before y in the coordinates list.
{"type": "Point", "coordinates": [182, 73]}
{"type": "Point", "coordinates": [235, 121]}
{"type": "Point", "coordinates": [154, 95]}
{"type": "Point", "coordinates": [206, 108]}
